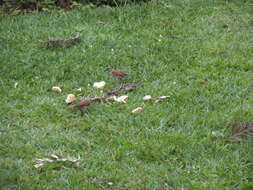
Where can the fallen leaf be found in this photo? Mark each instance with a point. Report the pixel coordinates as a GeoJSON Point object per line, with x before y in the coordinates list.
{"type": "Point", "coordinates": [137, 110]}
{"type": "Point", "coordinates": [161, 98]}
{"type": "Point", "coordinates": [122, 99]}
{"type": "Point", "coordinates": [129, 87]}
{"type": "Point", "coordinates": [100, 181]}
{"type": "Point", "coordinates": [100, 22]}
{"type": "Point", "coordinates": [223, 54]}
{"type": "Point", "coordinates": [241, 129]}
{"type": "Point", "coordinates": [70, 98]}
{"type": "Point", "coordinates": [99, 85]}
{"type": "Point", "coordinates": [56, 89]}
{"type": "Point", "coordinates": [179, 20]}
{"type": "Point", "coordinates": [147, 98]}
{"type": "Point", "coordinates": [39, 165]}
{"type": "Point", "coordinates": [203, 81]}
{"type": "Point", "coordinates": [67, 42]}
{"type": "Point", "coordinates": [41, 162]}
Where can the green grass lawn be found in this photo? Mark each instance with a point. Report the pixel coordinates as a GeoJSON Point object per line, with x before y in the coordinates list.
{"type": "Point", "coordinates": [170, 48]}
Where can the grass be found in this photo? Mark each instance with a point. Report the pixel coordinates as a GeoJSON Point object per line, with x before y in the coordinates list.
{"type": "Point", "coordinates": [171, 48]}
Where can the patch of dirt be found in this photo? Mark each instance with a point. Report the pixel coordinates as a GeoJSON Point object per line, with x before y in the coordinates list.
{"type": "Point", "coordinates": [224, 54]}
{"type": "Point", "coordinates": [67, 42]}
{"type": "Point", "coordinates": [241, 129]}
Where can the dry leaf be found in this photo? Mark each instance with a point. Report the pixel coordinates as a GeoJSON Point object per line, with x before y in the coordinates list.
{"type": "Point", "coordinates": [39, 165]}
{"type": "Point", "coordinates": [70, 98]}
{"type": "Point", "coordinates": [100, 181]}
{"type": "Point", "coordinates": [99, 85]}
{"type": "Point", "coordinates": [100, 22]}
{"type": "Point", "coordinates": [137, 110]}
{"type": "Point", "coordinates": [40, 162]}
{"type": "Point", "coordinates": [56, 89]}
{"type": "Point", "coordinates": [223, 54]}
{"type": "Point", "coordinates": [129, 87]}
{"type": "Point", "coordinates": [241, 129]}
{"type": "Point", "coordinates": [161, 98]}
{"type": "Point", "coordinates": [67, 42]}
{"type": "Point", "coordinates": [147, 98]}
{"type": "Point", "coordinates": [122, 99]}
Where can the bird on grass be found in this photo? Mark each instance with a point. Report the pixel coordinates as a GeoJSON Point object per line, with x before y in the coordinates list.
{"type": "Point", "coordinates": [116, 73]}
{"type": "Point", "coordinates": [84, 104]}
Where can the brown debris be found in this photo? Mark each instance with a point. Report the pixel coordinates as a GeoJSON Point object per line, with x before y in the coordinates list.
{"type": "Point", "coordinates": [110, 99]}
{"type": "Point", "coordinates": [100, 22]}
{"type": "Point", "coordinates": [129, 87]}
{"type": "Point", "coordinates": [223, 54]}
{"type": "Point", "coordinates": [161, 98]}
{"type": "Point", "coordinates": [66, 42]}
{"type": "Point", "coordinates": [241, 129]}
{"type": "Point", "coordinates": [63, 4]}
{"type": "Point", "coordinates": [113, 92]}
{"type": "Point", "coordinates": [123, 89]}
{"type": "Point", "coordinates": [40, 162]}
{"type": "Point", "coordinates": [102, 182]}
